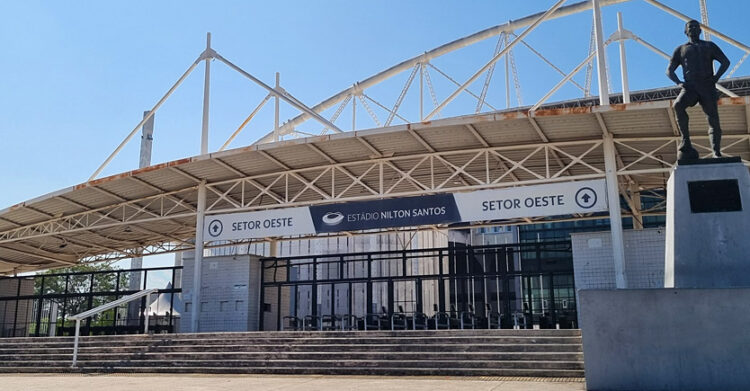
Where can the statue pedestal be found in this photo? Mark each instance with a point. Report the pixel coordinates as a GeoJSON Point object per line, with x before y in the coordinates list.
{"type": "Point", "coordinates": [693, 334]}
{"type": "Point", "coordinates": [708, 226]}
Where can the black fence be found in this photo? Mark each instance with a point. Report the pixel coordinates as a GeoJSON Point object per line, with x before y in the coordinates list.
{"type": "Point", "coordinates": [41, 305]}
{"type": "Point", "coordinates": [525, 285]}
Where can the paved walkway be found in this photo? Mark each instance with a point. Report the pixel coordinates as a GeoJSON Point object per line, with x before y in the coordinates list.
{"type": "Point", "coordinates": [126, 382]}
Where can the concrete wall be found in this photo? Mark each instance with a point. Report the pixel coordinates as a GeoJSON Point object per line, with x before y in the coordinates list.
{"type": "Point", "coordinates": [707, 250]}
{"type": "Point", "coordinates": [666, 339]}
{"type": "Point", "coordinates": [230, 287]}
{"type": "Point", "coordinates": [594, 267]}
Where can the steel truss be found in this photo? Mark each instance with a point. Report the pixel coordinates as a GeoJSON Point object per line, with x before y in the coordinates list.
{"type": "Point", "coordinates": [410, 175]}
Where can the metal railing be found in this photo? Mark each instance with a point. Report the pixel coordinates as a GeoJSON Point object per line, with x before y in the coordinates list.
{"type": "Point", "coordinates": [105, 307]}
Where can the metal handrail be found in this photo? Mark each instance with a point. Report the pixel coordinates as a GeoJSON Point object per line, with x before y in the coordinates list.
{"type": "Point", "coordinates": [104, 307]}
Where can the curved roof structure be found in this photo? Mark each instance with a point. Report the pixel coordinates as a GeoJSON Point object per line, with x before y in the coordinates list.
{"type": "Point", "coordinates": [153, 210]}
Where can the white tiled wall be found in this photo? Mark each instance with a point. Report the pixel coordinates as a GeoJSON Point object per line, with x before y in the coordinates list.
{"type": "Point", "coordinates": [229, 294]}
{"type": "Point", "coordinates": [593, 263]}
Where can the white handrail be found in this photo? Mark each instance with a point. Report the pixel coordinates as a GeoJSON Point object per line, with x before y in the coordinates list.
{"type": "Point", "coordinates": [104, 307]}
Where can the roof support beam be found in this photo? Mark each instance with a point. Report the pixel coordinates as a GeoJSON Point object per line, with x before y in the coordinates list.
{"type": "Point", "coordinates": [341, 168]}
{"type": "Point", "coordinates": [68, 260]}
{"type": "Point", "coordinates": [369, 146]}
{"type": "Point", "coordinates": [186, 175]}
{"type": "Point", "coordinates": [498, 56]}
{"type": "Point", "coordinates": [308, 184]}
{"type": "Point", "coordinates": [421, 140]}
{"type": "Point", "coordinates": [476, 135]}
{"type": "Point", "coordinates": [544, 138]}
{"type": "Point", "coordinates": [177, 201]}
{"type": "Point", "coordinates": [109, 193]}
{"type": "Point", "coordinates": [283, 95]}
{"type": "Point", "coordinates": [11, 222]}
{"type": "Point", "coordinates": [434, 53]}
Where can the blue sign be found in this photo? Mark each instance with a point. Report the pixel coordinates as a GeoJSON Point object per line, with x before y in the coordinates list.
{"type": "Point", "coordinates": [394, 212]}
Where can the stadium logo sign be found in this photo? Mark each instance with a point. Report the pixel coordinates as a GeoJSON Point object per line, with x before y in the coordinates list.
{"type": "Point", "coordinates": [332, 218]}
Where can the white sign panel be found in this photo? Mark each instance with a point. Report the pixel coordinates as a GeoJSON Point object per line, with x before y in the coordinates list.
{"type": "Point", "coordinates": [275, 222]}
{"type": "Point", "coordinates": [528, 201]}
{"type": "Point", "coordinates": [533, 201]}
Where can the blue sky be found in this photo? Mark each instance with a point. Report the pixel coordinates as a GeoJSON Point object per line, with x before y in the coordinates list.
{"type": "Point", "coordinates": [77, 75]}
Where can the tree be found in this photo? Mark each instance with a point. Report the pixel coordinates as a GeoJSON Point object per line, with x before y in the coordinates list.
{"type": "Point", "coordinates": [75, 297]}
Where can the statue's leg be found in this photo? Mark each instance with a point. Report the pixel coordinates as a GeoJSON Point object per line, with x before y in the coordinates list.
{"type": "Point", "coordinates": [710, 107]}
{"type": "Point", "coordinates": [685, 99]}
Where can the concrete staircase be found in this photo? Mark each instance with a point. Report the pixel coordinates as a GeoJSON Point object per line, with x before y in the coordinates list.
{"type": "Point", "coordinates": [535, 353]}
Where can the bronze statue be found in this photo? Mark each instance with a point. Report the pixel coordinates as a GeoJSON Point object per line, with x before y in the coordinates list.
{"type": "Point", "coordinates": [696, 58]}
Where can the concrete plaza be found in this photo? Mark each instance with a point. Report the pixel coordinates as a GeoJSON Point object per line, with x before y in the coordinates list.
{"type": "Point", "coordinates": [125, 382]}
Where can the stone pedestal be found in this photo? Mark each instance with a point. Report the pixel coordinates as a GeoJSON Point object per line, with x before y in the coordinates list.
{"type": "Point", "coordinates": [708, 226]}
{"type": "Point", "coordinates": [666, 339]}
{"type": "Point", "coordinates": [692, 335]}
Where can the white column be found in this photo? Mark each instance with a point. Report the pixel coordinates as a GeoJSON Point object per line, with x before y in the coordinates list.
{"type": "Point", "coordinates": [615, 217]}
{"type": "Point", "coordinates": [635, 196]}
{"type": "Point", "coordinates": [206, 88]}
{"type": "Point", "coordinates": [421, 90]}
{"type": "Point", "coordinates": [601, 56]}
{"type": "Point", "coordinates": [354, 111]}
{"type": "Point", "coordinates": [147, 137]}
{"type": "Point", "coordinates": [276, 110]}
{"type": "Point", "coordinates": [623, 63]}
{"type": "Point", "coordinates": [507, 74]}
{"type": "Point", "coordinates": [198, 257]}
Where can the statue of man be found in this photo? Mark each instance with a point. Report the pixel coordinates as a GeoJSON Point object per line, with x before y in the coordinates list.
{"type": "Point", "coordinates": [696, 58]}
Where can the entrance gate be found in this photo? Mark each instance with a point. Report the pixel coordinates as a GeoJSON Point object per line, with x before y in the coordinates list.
{"type": "Point", "coordinates": [41, 305]}
{"type": "Point", "coordinates": [524, 285]}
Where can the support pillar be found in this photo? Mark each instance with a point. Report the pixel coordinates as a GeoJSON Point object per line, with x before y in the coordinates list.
{"type": "Point", "coordinates": [623, 64]}
{"type": "Point", "coordinates": [635, 196]}
{"type": "Point", "coordinates": [206, 88]}
{"type": "Point", "coordinates": [198, 265]}
{"type": "Point", "coordinates": [200, 215]}
{"type": "Point", "coordinates": [601, 56]}
{"type": "Point", "coordinates": [615, 217]}
{"type": "Point", "coordinates": [276, 110]}
{"type": "Point", "coordinates": [134, 284]}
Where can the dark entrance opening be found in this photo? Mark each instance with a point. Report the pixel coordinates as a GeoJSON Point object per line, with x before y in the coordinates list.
{"type": "Point", "coordinates": [41, 305]}
{"type": "Point", "coordinates": [524, 285]}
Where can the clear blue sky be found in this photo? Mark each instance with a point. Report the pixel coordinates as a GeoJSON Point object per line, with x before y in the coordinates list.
{"type": "Point", "coordinates": [77, 75]}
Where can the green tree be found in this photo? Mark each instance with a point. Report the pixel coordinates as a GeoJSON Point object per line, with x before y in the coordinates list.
{"type": "Point", "coordinates": [103, 276]}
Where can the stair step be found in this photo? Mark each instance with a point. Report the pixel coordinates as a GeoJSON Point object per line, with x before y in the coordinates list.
{"type": "Point", "coordinates": [443, 353]}
{"type": "Point", "coordinates": [296, 334]}
{"type": "Point", "coordinates": [380, 371]}
{"type": "Point", "coordinates": [172, 356]}
{"type": "Point", "coordinates": [84, 342]}
{"type": "Point", "coordinates": [309, 348]}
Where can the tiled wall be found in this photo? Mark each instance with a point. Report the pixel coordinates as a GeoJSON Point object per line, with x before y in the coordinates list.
{"type": "Point", "coordinates": [229, 294]}
{"type": "Point", "coordinates": [593, 263]}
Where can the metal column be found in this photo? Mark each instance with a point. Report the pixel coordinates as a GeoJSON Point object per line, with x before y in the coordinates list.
{"type": "Point", "coordinates": [206, 88]}
{"type": "Point", "coordinates": [198, 259]}
{"type": "Point", "coordinates": [610, 162]}
{"type": "Point", "coordinates": [615, 217]}
{"type": "Point", "coordinates": [147, 137]}
{"type": "Point", "coordinates": [601, 56]}
{"type": "Point", "coordinates": [276, 110]}
{"type": "Point", "coordinates": [623, 63]}
{"type": "Point", "coordinates": [201, 213]}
